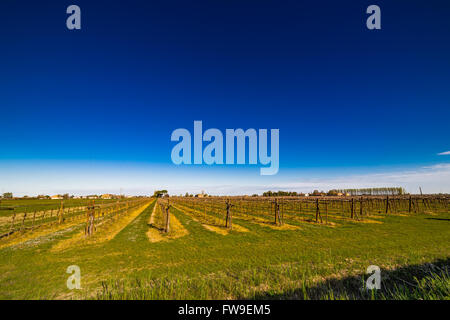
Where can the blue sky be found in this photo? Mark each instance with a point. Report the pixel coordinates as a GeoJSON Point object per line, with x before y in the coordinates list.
{"type": "Point", "coordinates": [93, 110]}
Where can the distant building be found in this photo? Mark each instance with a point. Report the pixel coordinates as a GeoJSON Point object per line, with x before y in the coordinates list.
{"type": "Point", "coordinates": [201, 195]}
{"type": "Point", "coordinates": [107, 196]}
{"type": "Point", "coordinates": [57, 197]}
{"type": "Point", "coordinates": [340, 194]}
{"type": "Point", "coordinates": [306, 194]}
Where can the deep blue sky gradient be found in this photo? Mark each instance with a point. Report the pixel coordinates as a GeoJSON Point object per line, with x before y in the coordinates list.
{"type": "Point", "coordinates": [341, 95]}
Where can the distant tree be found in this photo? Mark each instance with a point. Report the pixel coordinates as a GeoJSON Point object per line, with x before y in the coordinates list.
{"type": "Point", "coordinates": [332, 193]}
{"type": "Point", "coordinates": [160, 193]}
{"type": "Point", "coordinates": [280, 194]}
{"type": "Point", "coordinates": [8, 195]}
{"type": "Point", "coordinates": [65, 196]}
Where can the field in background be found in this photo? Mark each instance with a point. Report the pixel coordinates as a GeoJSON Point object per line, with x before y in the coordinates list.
{"type": "Point", "coordinates": [9, 207]}
{"type": "Point", "coordinates": [231, 248]}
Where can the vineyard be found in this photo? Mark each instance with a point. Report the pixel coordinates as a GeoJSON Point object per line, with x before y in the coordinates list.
{"type": "Point", "coordinates": [329, 211]}
{"type": "Point", "coordinates": [224, 247]}
{"type": "Point", "coordinates": [21, 225]}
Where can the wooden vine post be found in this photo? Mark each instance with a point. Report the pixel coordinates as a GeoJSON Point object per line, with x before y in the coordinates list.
{"type": "Point", "coordinates": [23, 222]}
{"type": "Point", "coordinates": [11, 229]}
{"type": "Point", "coordinates": [34, 218]}
{"type": "Point", "coordinates": [167, 210]}
{"type": "Point", "coordinates": [361, 207]}
{"type": "Point", "coordinates": [352, 208]}
{"type": "Point", "coordinates": [228, 221]}
{"type": "Point", "coordinates": [387, 204]}
{"type": "Point", "coordinates": [90, 220]}
{"type": "Point", "coordinates": [275, 204]}
{"type": "Point", "coordinates": [410, 204]}
{"type": "Point", "coordinates": [61, 213]}
{"type": "Point", "coordinates": [318, 215]}
{"type": "Point", "coordinates": [278, 219]}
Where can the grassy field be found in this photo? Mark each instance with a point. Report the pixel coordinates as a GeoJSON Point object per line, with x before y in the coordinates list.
{"type": "Point", "coordinates": [131, 258]}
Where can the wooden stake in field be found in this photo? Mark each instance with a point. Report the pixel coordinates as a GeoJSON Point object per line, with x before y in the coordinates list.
{"type": "Point", "coordinates": [90, 220]}
{"type": "Point", "coordinates": [361, 207]}
{"type": "Point", "coordinates": [352, 208]}
{"type": "Point", "coordinates": [387, 204]}
{"type": "Point", "coordinates": [61, 213]}
{"type": "Point", "coordinates": [34, 217]}
{"type": "Point", "coordinates": [410, 204]}
{"type": "Point", "coordinates": [318, 215]}
{"type": "Point", "coordinates": [278, 219]}
{"type": "Point", "coordinates": [23, 221]}
{"type": "Point", "coordinates": [167, 210]}
{"type": "Point", "coordinates": [228, 221]}
{"type": "Point", "coordinates": [11, 229]}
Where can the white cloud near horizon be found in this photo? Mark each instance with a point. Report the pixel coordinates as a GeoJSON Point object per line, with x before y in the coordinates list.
{"type": "Point", "coordinates": [446, 153]}
{"type": "Point", "coordinates": [143, 180]}
{"type": "Point", "coordinates": [432, 179]}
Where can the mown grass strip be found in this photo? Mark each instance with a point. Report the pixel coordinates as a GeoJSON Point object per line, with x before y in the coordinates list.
{"type": "Point", "coordinates": [156, 222]}
{"type": "Point", "coordinates": [200, 217]}
{"type": "Point", "coordinates": [106, 233]}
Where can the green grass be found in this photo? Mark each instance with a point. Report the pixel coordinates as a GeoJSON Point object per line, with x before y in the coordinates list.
{"type": "Point", "coordinates": [314, 262]}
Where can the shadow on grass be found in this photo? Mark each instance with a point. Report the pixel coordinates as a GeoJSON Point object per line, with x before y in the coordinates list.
{"type": "Point", "coordinates": [153, 226]}
{"type": "Point", "coordinates": [441, 219]}
{"type": "Point", "coordinates": [425, 281]}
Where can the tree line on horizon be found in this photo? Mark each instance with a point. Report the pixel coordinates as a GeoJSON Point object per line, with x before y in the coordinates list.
{"type": "Point", "coordinates": [394, 191]}
{"type": "Point", "coordinates": [335, 192]}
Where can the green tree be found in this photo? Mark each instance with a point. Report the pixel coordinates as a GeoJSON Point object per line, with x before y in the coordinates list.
{"type": "Point", "coordinates": [8, 195]}
{"type": "Point", "coordinates": [160, 193]}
